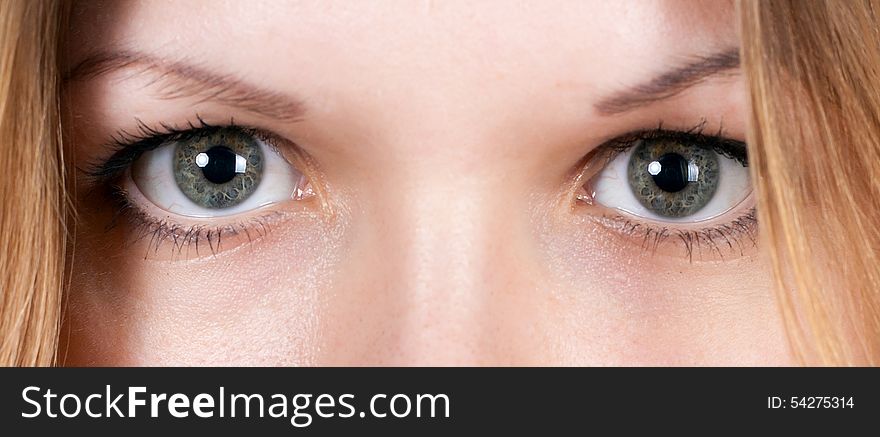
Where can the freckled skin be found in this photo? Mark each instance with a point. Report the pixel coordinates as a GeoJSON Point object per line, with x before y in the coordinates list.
{"type": "Point", "coordinates": [443, 138]}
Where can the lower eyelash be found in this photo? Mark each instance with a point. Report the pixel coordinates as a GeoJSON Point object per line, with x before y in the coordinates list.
{"type": "Point", "coordinates": [189, 237]}
{"type": "Point", "coordinates": [720, 239]}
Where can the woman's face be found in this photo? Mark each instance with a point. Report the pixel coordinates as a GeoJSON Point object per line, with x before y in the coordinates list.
{"type": "Point", "coordinates": [407, 182]}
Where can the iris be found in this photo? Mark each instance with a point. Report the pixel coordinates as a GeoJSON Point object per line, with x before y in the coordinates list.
{"type": "Point", "coordinates": [673, 179]}
{"type": "Point", "coordinates": [218, 170]}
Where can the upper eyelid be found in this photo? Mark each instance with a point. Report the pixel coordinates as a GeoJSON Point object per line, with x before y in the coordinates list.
{"type": "Point", "coordinates": [129, 146]}
{"type": "Point", "coordinates": [600, 157]}
{"type": "Point", "coordinates": [718, 141]}
{"type": "Point", "coordinates": [123, 144]}
{"type": "Point", "coordinates": [123, 140]}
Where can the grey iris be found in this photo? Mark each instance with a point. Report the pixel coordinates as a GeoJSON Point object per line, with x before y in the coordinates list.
{"type": "Point", "coordinates": [220, 169]}
{"type": "Point", "coordinates": [673, 179]}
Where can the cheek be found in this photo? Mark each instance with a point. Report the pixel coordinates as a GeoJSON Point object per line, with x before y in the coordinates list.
{"type": "Point", "coordinates": [625, 305]}
{"type": "Point", "coordinates": [258, 304]}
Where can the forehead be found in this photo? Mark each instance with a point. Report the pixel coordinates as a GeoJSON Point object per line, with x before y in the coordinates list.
{"type": "Point", "coordinates": [442, 41]}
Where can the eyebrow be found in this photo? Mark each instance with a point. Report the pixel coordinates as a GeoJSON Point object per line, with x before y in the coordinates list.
{"type": "Point", "coordinates": [178, 79]}
{"type": "Point", "coordinates": [670, 83]}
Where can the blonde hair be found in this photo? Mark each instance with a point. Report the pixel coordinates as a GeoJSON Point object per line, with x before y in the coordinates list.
{"type": "Point", "coordinates": [32, 215]}
{"type": "Point", "coordinates": [814, 147]}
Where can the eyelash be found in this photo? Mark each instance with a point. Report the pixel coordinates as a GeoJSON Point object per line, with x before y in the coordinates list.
{"type": "Point", "coordinates": [128, 147]}
{"type": "Point", "coordinates": [716, 239]}
{"type": "Point", "coordinates": [183, 236]}
{"type": "Point", "coordinates": [717, 142]}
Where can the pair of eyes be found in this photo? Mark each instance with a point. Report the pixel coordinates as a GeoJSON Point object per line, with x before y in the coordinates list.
{"type": "Point", "coordinates": [660, 176]}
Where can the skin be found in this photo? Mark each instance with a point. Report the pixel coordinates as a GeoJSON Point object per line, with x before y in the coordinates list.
{"type": "Point", "coordinates": [446, 138]}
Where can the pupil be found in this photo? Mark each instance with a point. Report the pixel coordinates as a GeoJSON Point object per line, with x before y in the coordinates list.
{"type": "Point", "coordinates": [220, 165]}
{"type": "Point", "coordinates": [672, 172]}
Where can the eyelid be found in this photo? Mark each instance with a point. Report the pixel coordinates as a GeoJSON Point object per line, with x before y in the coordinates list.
{"type": "Point", "coordinates": [128, 146]}
{"type": "Point", "coordinates": [737, 234]}
{"type": "Point", "coordinates": [599, 157]}
{"type": "Point", "coordinates": [735, 229]}
{"type": "Point", "coordinates": [147, 221]}
{"type": "Point", "coordinates": [728, 147]}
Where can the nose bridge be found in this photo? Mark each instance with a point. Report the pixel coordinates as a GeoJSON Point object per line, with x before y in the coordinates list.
{"type": "Point", "coordinates": [441, 244]}
{"type": "Point", "coordinates": [446, 232]}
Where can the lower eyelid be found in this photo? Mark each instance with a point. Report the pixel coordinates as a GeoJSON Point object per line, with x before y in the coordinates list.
{"type": "Point", "coordinates": [734, 234]}
{"type": "Point", "coordinates": [164, 235]}
{"type": "Point", "coordinates": [745, 203]}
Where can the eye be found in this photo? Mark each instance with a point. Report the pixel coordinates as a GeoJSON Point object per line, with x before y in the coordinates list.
{"type": "Point", "coordinates": [674, 177]}
{"type": "Point", "coordinates": [217, 172]}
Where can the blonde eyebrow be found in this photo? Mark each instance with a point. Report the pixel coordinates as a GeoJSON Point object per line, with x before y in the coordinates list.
{"type": "Point", "coordinates": [670, 83]}
{"type": "Point", "coordinates": [179, 79]}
